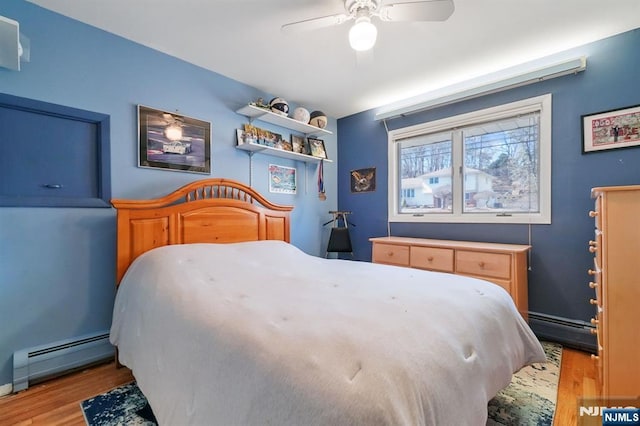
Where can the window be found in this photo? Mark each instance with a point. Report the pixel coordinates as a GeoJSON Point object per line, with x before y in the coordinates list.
{"type": "Point", "coordinates": [488, 166]}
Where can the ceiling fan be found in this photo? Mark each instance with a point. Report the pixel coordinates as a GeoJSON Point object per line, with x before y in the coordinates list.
{"type": "Point", "coordinates": [363, 34]}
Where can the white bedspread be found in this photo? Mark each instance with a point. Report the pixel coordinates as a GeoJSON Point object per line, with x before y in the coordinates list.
{"type": "Point", "coordinates": [263, 334]}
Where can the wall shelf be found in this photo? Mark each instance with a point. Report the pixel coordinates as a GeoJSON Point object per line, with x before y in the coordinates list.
{"type": "Point", "coordinates": [254, 147]}
{"type": "Point", "coordinates": [257, 113]}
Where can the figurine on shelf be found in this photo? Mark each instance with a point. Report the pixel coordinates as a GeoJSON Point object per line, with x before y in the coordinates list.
{"type": "Point", "coordinates": [260, 104]}
{"type": "Point", "coordinates": [250, 134]}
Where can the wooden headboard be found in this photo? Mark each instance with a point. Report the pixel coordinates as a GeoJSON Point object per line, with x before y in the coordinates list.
{"type": "Point", "coordinates": [206, 211]}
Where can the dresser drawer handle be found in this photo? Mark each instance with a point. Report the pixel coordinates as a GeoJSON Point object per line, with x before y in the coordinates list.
{"type": "Point", "coordinates": [593, 249]}
{"type": "Point", "coordinates": [591, 272]}
{"type": "Point", "coordinates": [593, 301]}
{"type": "Point", "coordinates": [594, 331]}
{"type": "Point", "coordinates": [593, 214]}
{"type": "Point", "coordinates": [389, 253]}
{"type": "Point", "coordinates": [481, 265]}
{"type": "Point", "coordinates": [595, 357]}
{"type": "Point", "coordinates": [592, 285]}
{"type": "Point", "coordinates": [430, 259]}
{"type": "Point", "coordinates": [594, 321]}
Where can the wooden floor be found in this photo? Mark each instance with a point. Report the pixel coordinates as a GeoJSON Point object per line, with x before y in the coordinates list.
{"type": "Point", "coordinates": [57, 402]}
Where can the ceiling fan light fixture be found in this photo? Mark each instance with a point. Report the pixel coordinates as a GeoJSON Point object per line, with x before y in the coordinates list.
{"type": "Point", "coordinates": [363, 34]}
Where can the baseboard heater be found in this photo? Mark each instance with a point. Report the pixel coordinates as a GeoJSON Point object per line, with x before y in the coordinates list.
{"type": "Point", "coordinates": [37, 363]}
{"type": "Point", "coordinates": [571, 333]}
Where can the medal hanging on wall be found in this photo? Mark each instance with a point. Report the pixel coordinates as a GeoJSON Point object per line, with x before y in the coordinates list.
{"type": "Point", "coordinates": [321, 193]}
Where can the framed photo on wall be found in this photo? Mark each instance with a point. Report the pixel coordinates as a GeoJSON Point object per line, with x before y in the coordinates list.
{"type": "Point", "coordinates": [317, 148]}
{"type": "Point", "coordinates": [363, 180]}
{"type": "Point", "coordinates": [282, 179]}
{"type": "Point", "coordinates": [169, 141]}
{"type": "Point", "coordinates": [611, 129]}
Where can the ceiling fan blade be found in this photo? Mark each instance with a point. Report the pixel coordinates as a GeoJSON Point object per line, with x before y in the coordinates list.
{"type": "Point", "coordinates": [427, 10]}
{"type": "Point", "coordinates": [315, 23]}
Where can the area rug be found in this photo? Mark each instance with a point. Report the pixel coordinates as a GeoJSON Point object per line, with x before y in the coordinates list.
{"type": "Point", "coordinates": [124, 405]}
{"type": "Point", "coordinates": [529, 400]}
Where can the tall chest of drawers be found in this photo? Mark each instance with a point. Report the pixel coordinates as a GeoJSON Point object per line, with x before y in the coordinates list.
{"type": "Point", "coordinates": [502, 264]}
{"type": "Point", "coordinates": [615, 277]}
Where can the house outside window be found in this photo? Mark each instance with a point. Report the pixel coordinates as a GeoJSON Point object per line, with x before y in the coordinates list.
{"type": "Point", "coordinates": [488, 166]}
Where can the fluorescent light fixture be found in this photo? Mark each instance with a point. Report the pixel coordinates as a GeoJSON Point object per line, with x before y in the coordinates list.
{"type": "Point", "coordinates": [433, 100]}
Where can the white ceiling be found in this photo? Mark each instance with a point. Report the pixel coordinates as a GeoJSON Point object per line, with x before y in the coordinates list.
{"type": "Point", "coordinates": [241, 39]}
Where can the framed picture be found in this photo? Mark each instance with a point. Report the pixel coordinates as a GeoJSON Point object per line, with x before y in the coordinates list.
{"type": "Point", "coordinates": [611, 129]}
{"type": "Point", "coordinates": [282, 179]}
{"type": "Point", "coordinates": [297, 144]}
{"type": "Point", "coordinates": [363, 180]}
{"type": "Point", "coordinates": [316, 148]}
{"type": "Point", "coordinates": [240, 136]}
{"type": "Point", "coordinates": [170, 141]}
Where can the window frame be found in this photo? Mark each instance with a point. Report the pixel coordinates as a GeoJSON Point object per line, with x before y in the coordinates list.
{"type": "Point", "coordinates": [541, 104]}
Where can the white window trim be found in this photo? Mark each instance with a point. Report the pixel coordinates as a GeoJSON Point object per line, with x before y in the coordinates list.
{"type": "Point", "coordinates": [539, 103]}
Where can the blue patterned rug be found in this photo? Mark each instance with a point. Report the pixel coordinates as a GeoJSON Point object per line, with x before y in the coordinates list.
{"type": "Point", "coordinates": [530, 399]}
{"type": "Point", "coordinates": [124, 405]}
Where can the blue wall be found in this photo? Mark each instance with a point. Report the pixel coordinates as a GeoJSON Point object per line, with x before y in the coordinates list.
{"type": "Point", "coordinates": [57, 265]}
{"type": "Point", "coordinates": [558, 279]}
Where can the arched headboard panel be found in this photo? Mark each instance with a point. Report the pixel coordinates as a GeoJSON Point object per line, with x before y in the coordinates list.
{"type": "Point", "coordinates": [211, 210]}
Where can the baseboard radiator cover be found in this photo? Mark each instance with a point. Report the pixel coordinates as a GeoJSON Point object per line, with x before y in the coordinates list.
{"type": "Point", "coordinates": [56, 358]}
{"type": "Point", "coordinates": [571, 333]}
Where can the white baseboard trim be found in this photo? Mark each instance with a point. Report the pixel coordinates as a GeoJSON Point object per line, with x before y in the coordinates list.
{"type": "Point", "coordinates": [6, 389]}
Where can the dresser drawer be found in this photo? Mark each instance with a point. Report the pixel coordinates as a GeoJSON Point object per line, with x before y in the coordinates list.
{"type": "Point", "coordinates": [495, 265]}
{"type": "Point", "coordinates": [435, 259]}
{"type": "Point", "coordinates": [391, 254]}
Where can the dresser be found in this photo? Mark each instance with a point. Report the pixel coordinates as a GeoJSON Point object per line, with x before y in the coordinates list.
{"type": "Point", "coordinates": [502, 264]}
{"type": "Point", "coordinates": [615, 278]}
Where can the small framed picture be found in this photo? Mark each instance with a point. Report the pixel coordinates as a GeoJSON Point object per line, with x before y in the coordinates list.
{"type": "Point", "coordinates": [240, 136]}
{"type": "Point", "coordinates": [611, 129]}
{"type": "Point", "coordinates": [363, 180]}
{"type": "Point", "coordinates": [297, 144]}
{"type": "Point", "coordinates": [316, 148]}
{"type": "Point", "coordinates": [282, 179]}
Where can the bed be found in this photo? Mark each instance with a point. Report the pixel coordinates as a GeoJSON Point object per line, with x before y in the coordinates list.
{"type": "Point", "coordinates": [223, 322]}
